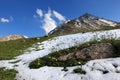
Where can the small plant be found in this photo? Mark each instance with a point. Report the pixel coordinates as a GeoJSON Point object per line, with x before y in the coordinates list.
{"type": "Point", "coordinates": [105, 72]}
{"type": "Point", "coordinates": [79, 70]}
{"type": "Point", "coordinates": [64, 69]}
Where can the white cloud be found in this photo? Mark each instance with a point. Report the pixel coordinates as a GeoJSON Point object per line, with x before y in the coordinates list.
{"type": "Point", "coordinates": [4, 20]}
{"type": "Point", "coordinates": [59, 16]}
{"type": "Point", "coordinates": [39, 12]}
{"type": "Point", "coordinates": [48, 22]}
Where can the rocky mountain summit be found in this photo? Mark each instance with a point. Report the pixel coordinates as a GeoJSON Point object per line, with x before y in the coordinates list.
{"type": "Point", "coordinates": [12, 37]}
{"type": "Point", "coordinates": [86, 22]}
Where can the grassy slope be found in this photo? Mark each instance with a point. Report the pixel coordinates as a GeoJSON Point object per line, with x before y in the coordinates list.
{"type": "Point", "coordinates": [7, 74]}
{"type": "Point", "coordinates": [11, 49]}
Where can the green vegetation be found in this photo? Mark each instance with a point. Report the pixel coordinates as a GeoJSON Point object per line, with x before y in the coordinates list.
{"type": "Point", "coordinates": [52, 59]}
{"type": "Point", "coordinates": [7, 74]}
{"type": "Point", "coordinates": [11, 49]}
{"type": "Point", "coordinates": [79, 70]}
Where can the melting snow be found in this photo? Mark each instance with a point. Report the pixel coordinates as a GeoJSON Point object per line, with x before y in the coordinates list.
{"type": "Point", "coordinates": [94, 68]}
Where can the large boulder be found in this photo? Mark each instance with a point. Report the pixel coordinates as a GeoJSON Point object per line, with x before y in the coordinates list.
{"type": "Point", "coordinates": [95, 51]}
{"type": "Point", "coordinates": [67, 57]}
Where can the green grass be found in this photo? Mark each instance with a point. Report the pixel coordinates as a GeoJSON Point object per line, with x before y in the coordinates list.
{"type": "Point", "coordinates": [52, 59]}
{"type": "Point", "coordinates": [7, 74]}
{"type": "Point", "coordinates": [13, 48]}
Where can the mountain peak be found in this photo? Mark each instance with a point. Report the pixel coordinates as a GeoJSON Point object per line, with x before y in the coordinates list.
{"type": "Point", "coordinates": [88, 16]}
{"type": "Point", "coordinates": [86, 22]}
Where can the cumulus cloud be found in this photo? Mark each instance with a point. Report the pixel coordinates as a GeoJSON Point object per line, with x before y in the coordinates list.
{"type": "Point", "coordinates": [39, 12]}
{"type": "Point", "coordinates": [4, 20]}
{"type": "Point", "coordinates": [59, 16]}
{"type": "Point", "coordinates": [49, 23]}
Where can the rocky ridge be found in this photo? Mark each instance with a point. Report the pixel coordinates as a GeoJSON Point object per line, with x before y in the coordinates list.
{"type": "Point", "coordinates": [12, 37]}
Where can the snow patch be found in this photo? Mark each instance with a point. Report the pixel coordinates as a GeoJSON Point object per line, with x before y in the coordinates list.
{"type": "Point", "coordinates": [108, 22]}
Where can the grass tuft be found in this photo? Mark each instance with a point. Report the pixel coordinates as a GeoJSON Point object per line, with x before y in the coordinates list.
{"type": "Point", "coordinates": [79, 70]}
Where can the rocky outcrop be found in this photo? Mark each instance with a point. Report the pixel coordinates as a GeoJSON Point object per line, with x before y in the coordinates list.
{"type": "Point", "coordinates": [95, 51]}
{"type": "Point", "coordinates": [11, 37]}
{"type": "Point", "coordinates": [67, 57]}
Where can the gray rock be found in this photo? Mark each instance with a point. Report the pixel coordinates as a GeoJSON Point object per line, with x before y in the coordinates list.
{"type": "Point", "coordinates": [95, 51]}
{"type": "Point", "coordinates": [67, 57]}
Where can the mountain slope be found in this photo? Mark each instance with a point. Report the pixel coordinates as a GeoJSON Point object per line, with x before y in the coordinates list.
{"type": "Point", "coordinates": [87, 22]}
{"type": "Point", "coordinates": [103, 69]}
{"type": "Point", "coordinates": [92, 68]}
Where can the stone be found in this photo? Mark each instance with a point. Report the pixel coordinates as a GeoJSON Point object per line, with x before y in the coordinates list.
{"type": "Point", "coordinates": [67, 57]}
{"type": "Point", "coordinates": [96, 51]}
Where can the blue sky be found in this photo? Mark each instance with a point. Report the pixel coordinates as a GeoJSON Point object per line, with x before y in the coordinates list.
{"type": "Point", "coordinates": [20, 17]}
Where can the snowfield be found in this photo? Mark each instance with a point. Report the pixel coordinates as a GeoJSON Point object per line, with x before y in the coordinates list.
{"type": "Point", "coordinates": [94, 68]}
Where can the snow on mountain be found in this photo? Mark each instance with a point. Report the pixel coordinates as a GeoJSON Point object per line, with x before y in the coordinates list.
{"type": "Point", "coordinates": [108, 22]}
{"type": "Point", "coordinates": [93, 68]}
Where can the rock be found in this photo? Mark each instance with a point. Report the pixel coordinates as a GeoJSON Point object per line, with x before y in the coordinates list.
{"type": "Point", "coordinates": [67, 57]}
{"type": "Point", "coordinates": [96, 51]}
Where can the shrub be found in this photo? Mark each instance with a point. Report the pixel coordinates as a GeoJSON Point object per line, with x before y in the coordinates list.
{"type": "Point", "coordinates": [79, 70]}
